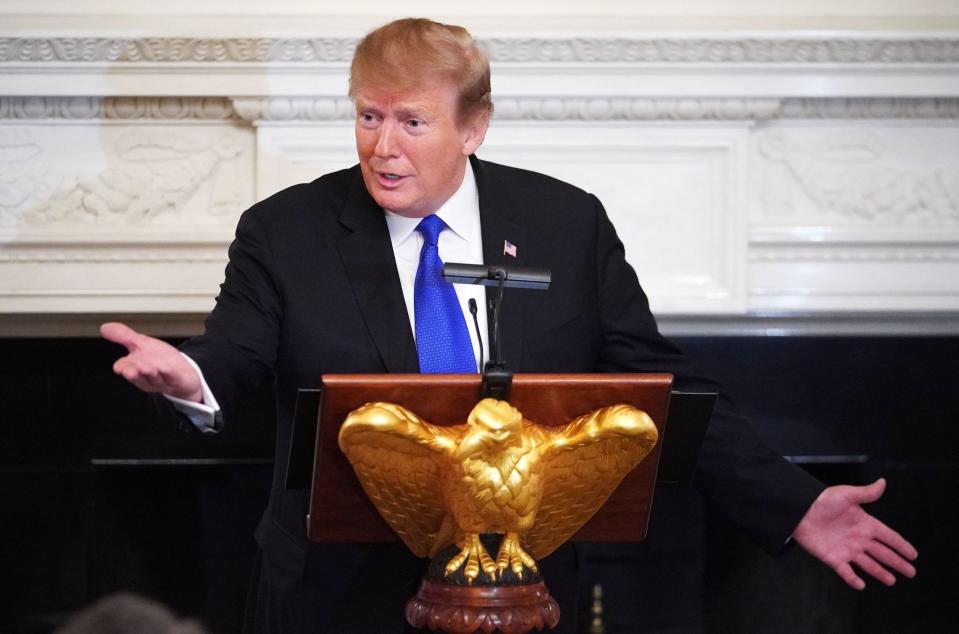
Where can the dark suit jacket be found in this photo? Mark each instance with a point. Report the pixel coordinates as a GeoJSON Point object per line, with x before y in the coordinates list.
{"type": "Point", "coordinates": [311, 288]}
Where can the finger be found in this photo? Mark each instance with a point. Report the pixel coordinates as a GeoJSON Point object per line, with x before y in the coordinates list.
{"type": "Point", "coordinates": [870, 492]}
{"type": "Point", "coordinates": [847, 574]}
{"type": "Point", "coordinates": [895, 541]}
{"type": "Point", "coordinates": [123, 364]}
{"type": "Point", "coordinates": [890, 559]}
{"type": "Point", "coordinates": [131, 360]}
{"type": "Point", "coordinates": [142, 381]}
{"type": "Point", "coordinates": [120, 333]}
{"type": "Point", "coordinates": [131, 373]}
{"type": "Point", "coordinates": [871, 567]}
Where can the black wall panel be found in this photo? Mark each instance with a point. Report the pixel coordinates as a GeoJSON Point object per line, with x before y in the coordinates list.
{"type": "Point", "coordinates": [79, 517]}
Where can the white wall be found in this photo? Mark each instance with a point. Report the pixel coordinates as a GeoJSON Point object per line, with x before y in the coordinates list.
{"type": "Point", "coordinates": [493, 14]}
{"type": "Point", "coordinates": [792, 171]}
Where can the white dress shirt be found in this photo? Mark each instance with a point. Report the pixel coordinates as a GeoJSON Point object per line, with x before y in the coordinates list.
{"type": "Point", "coordinates": [461, 241]}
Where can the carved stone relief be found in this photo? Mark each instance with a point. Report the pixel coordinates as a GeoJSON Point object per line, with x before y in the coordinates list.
{"type": "Point", "coordinates": [127, 108]}
{"type": "Point", "coordinates": [680, 50]}
{"type": "Point", "coordinates": [507, 108]}
{"type": "Point", "coordinates": [69, 176]}
{"type": "Point", "coordinates": [878, 175]}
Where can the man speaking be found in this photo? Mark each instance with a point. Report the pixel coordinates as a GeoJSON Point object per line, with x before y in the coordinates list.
{"type": "Point", "coordinates": [341, 276]}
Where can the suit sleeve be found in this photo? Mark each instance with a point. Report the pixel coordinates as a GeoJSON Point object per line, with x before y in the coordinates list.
{"type": "Point", "coordinates": [237, 351]}
{"type": "Point", "coordinates": [742, 478]}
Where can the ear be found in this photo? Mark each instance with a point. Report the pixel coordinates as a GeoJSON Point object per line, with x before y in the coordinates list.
{"type": "Point", "coordinates": [474, 132]}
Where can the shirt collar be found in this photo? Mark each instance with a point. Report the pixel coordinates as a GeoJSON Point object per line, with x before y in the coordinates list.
{"type": "Point", "coordinates": [459, 213]}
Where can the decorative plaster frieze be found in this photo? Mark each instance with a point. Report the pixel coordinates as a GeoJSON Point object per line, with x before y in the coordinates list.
{"type": "Point", "coordinates": [611, 109]}
{"type": "Point", "coordinates": [119, 108]}
{"type": "Point", "coordinates": [733, 50]}
{"type": "Point", "coordinates": [603, 109]}
{"type": "Point", "coordinates": [150, 173]}
{"type": "Point", "coordinates": [854, 253]}
{"type": "Point", "coordinates": [875, 108]}
{"type": "Point", "coordinates": [639, 50]}
{"type": "Point", "coordinates": [294, 109]}
{"type": "Point", "coordinates": [176, 50]}
{"type": "Point", "coordinates": [858, 176]}
{"type": "Point", "coordinates": [507, 109]}
{"type": "Point", "coordinates": [529, 109]}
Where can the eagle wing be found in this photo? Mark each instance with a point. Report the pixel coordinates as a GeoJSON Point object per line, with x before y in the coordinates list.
{"type": "Point", "coordinates": [398, 459]}
{"type": "Point", "coordinates": [582, 465]}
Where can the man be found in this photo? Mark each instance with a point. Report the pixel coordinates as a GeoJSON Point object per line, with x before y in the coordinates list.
{"type": "Point", "coordinates": [334, 276]}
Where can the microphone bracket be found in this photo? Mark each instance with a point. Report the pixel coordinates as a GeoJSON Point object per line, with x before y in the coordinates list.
{"type": "Point", "coordinates": [497, 380]}
{"type": "Point", "coordinates": [486, 275]}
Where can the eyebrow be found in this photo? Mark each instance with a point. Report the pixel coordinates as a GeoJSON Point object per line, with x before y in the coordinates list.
{"type": "Point", "coordinates": [415, 112]}
{"type": "Point", "coordinates": [403, 110]}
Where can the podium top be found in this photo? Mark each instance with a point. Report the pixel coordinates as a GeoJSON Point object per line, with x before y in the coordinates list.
{"type": "Point", "coordinates": [339, 509]}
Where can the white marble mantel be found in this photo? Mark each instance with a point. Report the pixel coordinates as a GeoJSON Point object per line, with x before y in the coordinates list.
{"type": "Point", "coordinates": [750, 173]}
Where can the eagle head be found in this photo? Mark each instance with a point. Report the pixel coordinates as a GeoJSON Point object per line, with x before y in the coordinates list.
{"type": "Point", "coordinates": [496, 420]}
{"type": "Point", "coordinates": [492, 426]}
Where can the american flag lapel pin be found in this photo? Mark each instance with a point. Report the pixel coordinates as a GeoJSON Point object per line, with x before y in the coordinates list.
{"type": "Point", "coordinates": [509, 248]}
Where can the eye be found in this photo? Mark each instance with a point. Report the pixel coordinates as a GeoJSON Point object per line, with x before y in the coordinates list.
{"type": "Point", "coordinates": [415, 123]}
{"type": "Point", "coordinates": [367, 118]}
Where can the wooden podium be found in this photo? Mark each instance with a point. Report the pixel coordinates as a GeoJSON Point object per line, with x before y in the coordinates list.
{"type": "Point", "coordinates": [339, 510]}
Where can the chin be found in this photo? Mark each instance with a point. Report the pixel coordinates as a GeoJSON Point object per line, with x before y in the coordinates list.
{"type": "Point", "coordinates": [386, 199]}
{"type": "Point", "coordinates": [393, 203]}
{"type": "Point", "coordinates": [400, 205]}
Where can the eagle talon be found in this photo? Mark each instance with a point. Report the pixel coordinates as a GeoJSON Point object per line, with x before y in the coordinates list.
{"type": "Point", "coordinates": [511, 555]}
{"type": "Point", "coordinates": [475, 557]}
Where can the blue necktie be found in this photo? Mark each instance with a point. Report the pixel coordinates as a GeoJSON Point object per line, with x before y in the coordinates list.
{"type": "Point", "coordinates": [442, 340]}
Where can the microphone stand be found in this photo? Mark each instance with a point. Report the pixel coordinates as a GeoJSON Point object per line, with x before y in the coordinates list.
{"type": "Point", "coordinates": [497, 380]}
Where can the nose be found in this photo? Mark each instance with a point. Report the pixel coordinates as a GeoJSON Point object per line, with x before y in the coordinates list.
{"type": "Point", "coordinates": [385, 143]}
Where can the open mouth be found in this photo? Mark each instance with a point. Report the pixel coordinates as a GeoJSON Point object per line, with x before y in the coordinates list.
{"type": "Point", "coordinates": [389, 178]}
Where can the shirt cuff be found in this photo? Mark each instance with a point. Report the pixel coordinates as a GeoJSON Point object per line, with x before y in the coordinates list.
{"type": "Point", "coordinates": [205, 416]}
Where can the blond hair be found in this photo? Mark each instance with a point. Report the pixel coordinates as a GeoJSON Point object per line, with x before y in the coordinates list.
{"type": "Point", "coordinates": [410, 53]}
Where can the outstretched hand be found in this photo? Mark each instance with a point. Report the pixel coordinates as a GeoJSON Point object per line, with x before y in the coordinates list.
{"type": "Point", "coordinates": [153, 365]}
{"type": "Point", "coordinates": [837, 531]}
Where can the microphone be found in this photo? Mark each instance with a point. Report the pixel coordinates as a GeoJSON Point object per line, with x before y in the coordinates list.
{"type": "Point", "coordinates": [497, 380]}
{"type": "Point", "coordinates": [479, 338]}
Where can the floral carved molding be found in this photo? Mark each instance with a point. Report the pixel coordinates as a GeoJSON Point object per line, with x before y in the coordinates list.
{"type": "Point", "coordinates": [151, 173]}
{"type": "Point", "coordinates": [852, 253]}
{"type": "Point", "coordinates": [121, 108]}
{"type": "Point", "coordinates": [790, 50]}
{"type": "Point", "coordinates": [852, 176]}
{"type": "Point", "coordinates": [507, 109]}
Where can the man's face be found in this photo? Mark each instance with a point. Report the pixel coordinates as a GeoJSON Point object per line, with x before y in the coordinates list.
{"type": "Point", "coordinates": [412, 148]}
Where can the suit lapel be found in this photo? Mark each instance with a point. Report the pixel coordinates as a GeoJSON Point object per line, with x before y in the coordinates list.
{"type": "Point", "coordinates": [368, 258]}
{"type": "Point", "coordinates": [499, 223]}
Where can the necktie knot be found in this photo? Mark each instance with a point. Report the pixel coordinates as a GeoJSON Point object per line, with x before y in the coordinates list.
{"type": "Point", "coordinates": [430, 228]}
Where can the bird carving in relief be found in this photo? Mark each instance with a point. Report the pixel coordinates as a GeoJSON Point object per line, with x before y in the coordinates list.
{"type": "Point", "coordinates": [497, 473]}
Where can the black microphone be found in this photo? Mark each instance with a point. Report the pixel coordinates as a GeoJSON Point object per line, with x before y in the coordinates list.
{"type": "Point", "coordinates": [501, 277]}
{"type": "Point", "coordinates": [497, 380]}
{"type": "Point", "coordinates": [479, 338]}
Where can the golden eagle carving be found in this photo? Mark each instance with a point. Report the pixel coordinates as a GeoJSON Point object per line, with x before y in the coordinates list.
{"type": "Point", "coordinates": [498, 473]}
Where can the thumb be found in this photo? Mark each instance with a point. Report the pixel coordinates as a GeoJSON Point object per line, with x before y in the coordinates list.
{"type": "Point", "coordinates": [870, 492]}
{"type": "Point", "coordinates": [121, 334]}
